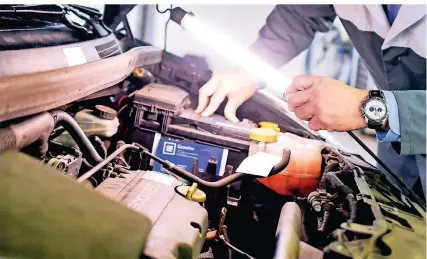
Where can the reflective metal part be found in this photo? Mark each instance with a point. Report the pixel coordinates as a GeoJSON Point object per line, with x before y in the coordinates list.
{"type": "Point", "coordinates": [306, 251]}
{"type": "Point", "coordinates": [288, 232]}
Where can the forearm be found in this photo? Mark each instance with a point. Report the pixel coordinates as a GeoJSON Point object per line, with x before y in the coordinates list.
{"type": "Point", "coordinates": [289, 30]}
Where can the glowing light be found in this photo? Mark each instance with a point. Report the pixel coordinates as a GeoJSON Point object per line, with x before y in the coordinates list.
{"type": "Point", "coordinates": [225, 46]}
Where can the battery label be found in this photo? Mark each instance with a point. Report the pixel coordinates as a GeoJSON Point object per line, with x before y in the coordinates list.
{"type": "Point", "coordinates": [183, 153]}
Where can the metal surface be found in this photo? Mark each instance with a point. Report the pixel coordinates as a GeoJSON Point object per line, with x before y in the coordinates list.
{"type": "Point", "coordinates": [220, 228]}
{"type": "Point", "coordinates": [32, 93]}
{"type": "Point", "coordinates": [179, 226]}
{"type": "Point", "coordinates": [392, 233]}
{"type": "Point", "coordinates": [306, 251]}
{"type": "Point", "coordinates": [288, 232]}
{"type": "Point", "coordinates": [68, 164]}
{"type": "Point", "coordinates": [65, 159]}
{"type": "Point", "coordinates": [105, 162]}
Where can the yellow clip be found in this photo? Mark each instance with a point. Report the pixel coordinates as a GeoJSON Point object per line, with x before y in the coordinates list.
{"type": "Point", "coordinates": [192, 193]}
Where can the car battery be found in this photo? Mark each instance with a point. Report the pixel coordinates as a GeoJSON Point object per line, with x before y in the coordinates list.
{"type": "Point", "coordinates": [165, 122]}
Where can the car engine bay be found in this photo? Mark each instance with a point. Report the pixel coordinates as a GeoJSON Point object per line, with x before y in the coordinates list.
{"type": "Point", "coordinates": [135, 139]}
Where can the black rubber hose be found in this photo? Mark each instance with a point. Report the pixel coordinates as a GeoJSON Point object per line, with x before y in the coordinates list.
{"type": "Point", "coordinates": [347, 191]}
{"type": "Point", "coordinates": [326, 214]}
{"type": "Point", "coordinates": [168, 165]}
{"type": "Point", "coordinates": [348, 165]}
{"type": "Point", "coordinates": [56, 132]}
{"type": "Point", "coordinates": [328, 168]}
{"type": "Point", "coordinates": [70, 125]}
{"type": "Point", "coordinates": [286, 157]}
{"type": "Point", "coordinates": [182, 172]}
{"type": "Point", "coordinates": [223, 182]}
{"type": "Point", "coordinates": [353, 207]}
{"type": "Point", "coordinates": [192, 178]}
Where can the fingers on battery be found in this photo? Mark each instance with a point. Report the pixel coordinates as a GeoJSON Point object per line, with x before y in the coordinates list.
{"type": "Point", "coordinates": [206, 92]}
{"type": "Point", "coordinates": [231, 108]}
{"type": "Point", "coordinates": [216, 99]}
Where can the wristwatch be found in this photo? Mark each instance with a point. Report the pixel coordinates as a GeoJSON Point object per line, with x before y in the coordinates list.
{"type": "Point", "coordinates": [374, 110]}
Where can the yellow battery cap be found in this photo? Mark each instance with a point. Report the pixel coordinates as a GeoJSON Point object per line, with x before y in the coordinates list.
{"type": "Point", "coordinates": [269, 125]}
{"type": "Point", "coordinates": [267, 135]}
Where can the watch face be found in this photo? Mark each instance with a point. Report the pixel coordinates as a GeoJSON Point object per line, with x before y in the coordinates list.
{"type": "Point", "coordinates": [375, 109]}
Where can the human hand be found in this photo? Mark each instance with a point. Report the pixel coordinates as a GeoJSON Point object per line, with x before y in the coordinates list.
{"type": "Point", "coordinates": [326, 103]}
{"type": "Point", "coordinates": [235, 86]}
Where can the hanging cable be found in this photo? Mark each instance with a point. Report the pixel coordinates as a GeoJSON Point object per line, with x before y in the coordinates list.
{"type": "Point", "coordinates": [165, 43]}
{"type": "Point", "coordinates": [158, 10]}
{"type": "Point", "coordinates": [236, 249]}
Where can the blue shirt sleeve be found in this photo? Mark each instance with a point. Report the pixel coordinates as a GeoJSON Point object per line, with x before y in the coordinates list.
{"type": "Point", "coordinates": [393, 135]}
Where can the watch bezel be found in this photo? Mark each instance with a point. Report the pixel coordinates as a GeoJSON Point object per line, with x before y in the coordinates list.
{"type": "Point", "coordinates": [371, 99]}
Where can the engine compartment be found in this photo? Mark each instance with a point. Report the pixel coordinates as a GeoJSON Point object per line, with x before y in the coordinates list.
{"type": "Point", "coordinates": [140, 143]}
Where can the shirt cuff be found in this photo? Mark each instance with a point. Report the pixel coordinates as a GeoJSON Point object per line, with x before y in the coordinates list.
{"type": "Point", "coordinates": [393, 135]}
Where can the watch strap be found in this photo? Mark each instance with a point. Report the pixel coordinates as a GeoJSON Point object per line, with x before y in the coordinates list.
{"type": "Point", "coordinates": [376, 125]}
{"type": "Point", "coordinates": [376, 93]}
{"type": "Point", "coordinates": [372, 124]}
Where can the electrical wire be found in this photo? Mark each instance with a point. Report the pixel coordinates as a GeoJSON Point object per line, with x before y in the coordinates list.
{"type": "Point", "coordinates": [158, 10]}
{"type": "Point", "coordinates": [165, 43]}
{"type": "Point", "coordinates": [227, 239]}
{"type": "Point", "coordinates": [383, 165]}
{"type": "Point", "coordinates": [237, 249]}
